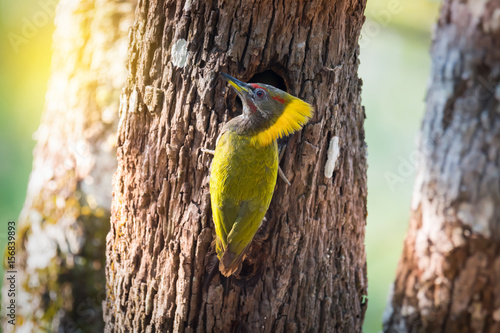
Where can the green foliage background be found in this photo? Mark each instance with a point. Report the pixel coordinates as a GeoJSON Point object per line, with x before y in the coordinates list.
{"type": "Point", "coordinates": [394, 67]}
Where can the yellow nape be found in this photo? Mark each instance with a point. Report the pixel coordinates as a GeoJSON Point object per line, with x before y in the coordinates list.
{"type": "Point", "coordinates": [296, 114]}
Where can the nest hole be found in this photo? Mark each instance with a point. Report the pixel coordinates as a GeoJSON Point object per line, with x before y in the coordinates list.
{"type": "Point", "coordinates": [269, 77]}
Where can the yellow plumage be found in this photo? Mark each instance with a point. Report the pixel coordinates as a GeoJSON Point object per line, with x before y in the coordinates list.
{"type": "Point", "coordinates": [296, 114]}
{"type": "Point", "coordinates": [241, 186]}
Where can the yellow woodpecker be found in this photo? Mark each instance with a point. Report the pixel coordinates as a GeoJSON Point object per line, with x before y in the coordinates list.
{"type": "Point", "coordinates": [245, 165]}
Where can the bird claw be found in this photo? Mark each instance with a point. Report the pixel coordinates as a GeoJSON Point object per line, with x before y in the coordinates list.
{"type": "Point", "coordinates": [280, 172]}
{"type": "Point", "coordinates": [282, 175]}
{"type": "Point", "coordinates": [282, 152]}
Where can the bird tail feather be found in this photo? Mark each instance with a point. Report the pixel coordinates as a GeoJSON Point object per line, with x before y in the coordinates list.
{"type": "Point", "coordinates": [229, 262]}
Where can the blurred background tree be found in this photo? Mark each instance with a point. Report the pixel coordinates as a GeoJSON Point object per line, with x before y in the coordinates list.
{"type": "Point", "coordinates": [448, 278]}
{"type": "Point", "coordinates": [394, 66]}
{"type": "Point", "coordinates": [65, 218]}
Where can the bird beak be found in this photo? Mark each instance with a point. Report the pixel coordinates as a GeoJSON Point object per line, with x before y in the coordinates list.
{"type": "Point", "coordinates": [241, 88]}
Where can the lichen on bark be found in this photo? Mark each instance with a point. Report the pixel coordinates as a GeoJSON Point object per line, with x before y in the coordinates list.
{"type": "Point", "coordinates": [62, 228]}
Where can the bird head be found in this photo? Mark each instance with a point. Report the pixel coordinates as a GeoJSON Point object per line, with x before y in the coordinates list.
{"type": "Point", "coordinates": [269, 112]}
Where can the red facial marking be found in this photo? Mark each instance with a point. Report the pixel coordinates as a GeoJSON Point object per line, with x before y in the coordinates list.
{"type": "Point", "coordinates": [255, 85]}
{"type": "Point", "coordinates": [252, 107]}
{"type": "Point", "coordinates": [279, 99]}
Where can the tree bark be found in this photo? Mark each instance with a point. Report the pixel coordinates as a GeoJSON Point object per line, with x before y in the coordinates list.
{"type": "Point", "coordinates": [448, 279]}
{"type": "Point", "coordinates": [62, 228]}
{"type": "Point", "coordinates": [306, 268]}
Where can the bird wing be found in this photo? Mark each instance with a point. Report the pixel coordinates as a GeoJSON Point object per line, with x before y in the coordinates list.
{"type": "Point", "coordinates": [237, 210]}
{"type": "Point", "coordinates": [241, 186]}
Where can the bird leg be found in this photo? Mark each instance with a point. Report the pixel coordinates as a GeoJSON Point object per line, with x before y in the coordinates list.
{"type": "Point", "coordinates": [280, 172]}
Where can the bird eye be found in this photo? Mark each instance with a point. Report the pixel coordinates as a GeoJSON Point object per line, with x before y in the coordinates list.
{"type": "Point", "coordinates": [259, 93]}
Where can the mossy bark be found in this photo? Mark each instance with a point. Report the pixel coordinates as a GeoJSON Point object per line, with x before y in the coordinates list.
{"type": "Point", "coordinates": [448, 279]}
{"type": "Point", "coordinates": [306, 268]}
{"type": "Point", "coordinates": [62, 228]}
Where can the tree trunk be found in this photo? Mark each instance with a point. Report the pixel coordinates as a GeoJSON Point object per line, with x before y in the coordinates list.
{"type": "Point", "coordinates": [448, 279]}
{"type": "Point", "coordinates": [306, 268]}
{"type": "Point", "coordinates": [62, 228]}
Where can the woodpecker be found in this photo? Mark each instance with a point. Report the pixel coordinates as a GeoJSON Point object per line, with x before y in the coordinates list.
{"type": "Point", "coordinates": [245, 166]}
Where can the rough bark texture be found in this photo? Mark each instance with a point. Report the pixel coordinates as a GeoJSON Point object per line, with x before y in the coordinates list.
{"type": "Point", "coordinates": [306, 269]}
{"type": "Point", "coordinates": [448, 278]}
{"type": "Point", "coordinates": [65, 219]}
